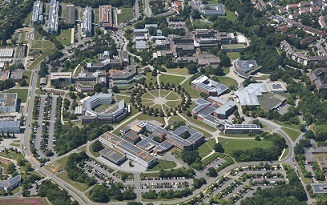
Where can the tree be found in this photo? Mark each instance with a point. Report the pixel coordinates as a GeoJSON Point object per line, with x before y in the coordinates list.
{"type": "Point", "coordinates": [43, 70]}
{"type": "Point", "coordinates": [22, 82]}
{"type": "Point", "coordinates": [219, 148]}
{"type": "Point", "coordinates": [99, 193]}
{"type": "Point", "coordinates": [192, 68]}
{"type": "Point", "coordinates": [190, 157]}
{"type": "Point", "coordinates": [97, 146]}
{"type": "Point", "coordinates": [186, 134]}
{"type": "Point", "coordinates": [257, 138]}
{"type": "Point", "coordinates": [115, 89]}
{"type": "Point", "coordinates": [212, 172]}
{"type": "Point", "coordinates": [195, 14]}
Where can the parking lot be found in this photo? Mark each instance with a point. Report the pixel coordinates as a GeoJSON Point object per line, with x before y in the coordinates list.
{"type": "Point", "coordinates": [43, 127]}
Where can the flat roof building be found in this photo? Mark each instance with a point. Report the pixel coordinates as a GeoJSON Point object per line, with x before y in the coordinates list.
{"type": "Point", "coordinates": [37, 14]}
{"type": "Point", "coordinates": [106, 17]}
{"type": "Point", "coordinates": [241, 128]}
{"type": "Point", "coordinates": [208, 86]}
{"type": "Point", "coordinates": [131, 151]}
{"type": "Point", "coordinates": [70, 14]}
{"type": "Point", "coordinates": [6, 53]}
{"type": "Point", "coordinates": [246, 68]}
{"type": "Point", "coordinates": [86, 24]}
{"type": "Point", "coordinates": [113, 155]}
{"type": "Point", "coordinates": [61, 77]}
{"type": "Point", "coordinates": [249, 94]}
{"type": "Point", "coordinates": [8, 102]}
{"type": "Point", "coordinates": [11, 126]}
{"type": "Point", "coordinates": [53, 19]}
{"type": "Point", "coordinates": [10, 184]}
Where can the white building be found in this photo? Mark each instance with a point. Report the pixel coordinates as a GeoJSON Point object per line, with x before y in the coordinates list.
{"type": "Point", "coordinates": [8, 102]}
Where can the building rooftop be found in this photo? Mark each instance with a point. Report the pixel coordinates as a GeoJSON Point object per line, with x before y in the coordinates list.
{"type": "Point", "coordinates": [204, 83]}
{"type": "Point", "coordinates": [6, 52]}
{"type": "Point", "coordinates": [222, 110]}
{"type": "Point", "coordinates": [70, 14]}
{"type": "Point", "coordinates": [8, 99]}
{"type": "Point", "coordinates": [249, 94]}
{"type": "Point", "coordinates": [127, 146]}
{"type": "Point", "coordinates": [9, 123]}
{"type": "Point", "coordinates": [112, 154]}
{"type": "Point", "coordinates": [60, 75]}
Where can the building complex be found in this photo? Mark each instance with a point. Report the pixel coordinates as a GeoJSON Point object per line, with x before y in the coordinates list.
{"type": "Point", "coordinates": [208, 86]}
{"type": "Point", "coordinates": [53, 18]}
{"type": "Point", "coordinates": [106, 17]}
{"type": "Point", "coordinates": [37, 14]}
{"type": "Point", "coordinates": [86, 24]}
{"type": "Point", "coordinates": [8, 102]}
{"type": "Point", "coordinates": [112, 114]}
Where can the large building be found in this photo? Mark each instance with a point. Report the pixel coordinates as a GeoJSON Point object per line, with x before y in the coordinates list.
{"type": "Point", "coordinates": [37, 14]}
{"type": "Point", "coordinates": [318, 78]}
{"type": "Point", "coordinates": [8, 102]}
{"type": "Point", "coordinates": [113, 155]}
{"type": "Point", "coordinates": [11, 183]}
{"type": "Point", "coordinates": [208, 9]}
{"type": "Point", "coordinates": [241, 128]}
{"type": "Point", "coordinates": [115, 113]}
{"type": "Point", "coordinates": [122, 77]}
{"type": "Point", "coordinates": [131, 151]}
{"type": "Point", "coordinates": [208, 86]}
{"type": "Point", "coordinates": [8, 126]}
{"type": "Point", "coordinates": [86, 24]}
{"type": "Point", "coordinates": [106, 17]}
{"type": "Point", "coordinates": [53, 19]}
{"type": "Point", "coordinates": [167, 139]}
{"type": "Point", "coordinates": [65, 77]}
{"type": "Point", "coordinates": [246, 68]}
{"type": "Point", "coordinates": [70, 14]}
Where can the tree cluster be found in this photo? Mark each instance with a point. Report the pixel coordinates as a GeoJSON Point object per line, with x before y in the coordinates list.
{"type": "Point", "coordinates": [260, 154]}
{"type": "Point", "coordinates": [74, 172]}
{"type": "Point", "coordinates": [169, 194]}
{"type": "Point", "coordinates": [181, 172]}
{"type": "Point", "coordinates": [56, 195]}
{"type": "Point", "coordinates": [102, 193]}
{"type": "Point", "coordinates": [69, 137]}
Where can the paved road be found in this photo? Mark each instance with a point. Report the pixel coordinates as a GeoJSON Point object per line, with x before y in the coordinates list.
{"type": "Point", "coordinates": [52, 121]}
{"type": "Point", "coordinates": [147, 8]}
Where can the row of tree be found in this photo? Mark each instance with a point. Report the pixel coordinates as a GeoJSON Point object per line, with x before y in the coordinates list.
{"type": "Point", "coordinates": [102, 193]}
{"type": "Point", "coordinates": [169, 194]}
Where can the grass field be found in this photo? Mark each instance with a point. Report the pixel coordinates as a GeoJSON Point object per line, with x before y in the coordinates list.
{"type": "Point", "coordinates": [27, 75]}
{"type": "Point", "coordinates": [150, 78]}
{"type": "Point", "coordinates": [233, 55]}
{"type": "Point", "coordinates": [197, 24]}
{"type": "Point", "coordinates": [173, 104]}
{"type": "Point", "coordinates": [64, 36]}
{"type": "Point", "coordinates": [175, 118]}
{"type": "Point", "coordinates": [22, 94]}
{"type": "Point", "coordinates": [126, 14]}
{"type": "Point", "coordinates": [293, 134]}
{"type": "Point", "coordinates": [210, 159]}
{"type": "Point", "coordinates": [226, 70]}
{"type": "Point", "coordinates": [230, 15]}
{"type": "Point", "coordinates": [287, 150]}
{"type": "Point", "coordinates": [57, 165]}
{"type": "Point", "coordinates": [227, 81]}
{"type": "Point", "coordinates": [263, 77]}
{"type": "Point", "coordinates": [179, 71]}
{"type": "Point", "coordinates": [193, 93]}
{"type": "Point", "coordinates": [204, 149]}
{"type": "Point", "coordinates": [231, 145]}
{"type": "Point", "coordinates": [172, 96]}
{"type": "Point", "coordinates": [293, 126]}
{"type": "Point", "coordinates": [171, 79]}
{"type": "Point", "coordinates": [163, 164]}
{"type": "Point", "coordinates": [77, 185]}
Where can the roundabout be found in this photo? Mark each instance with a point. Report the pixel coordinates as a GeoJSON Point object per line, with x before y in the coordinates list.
{"type": "Point", "coordinates": [165, 101]}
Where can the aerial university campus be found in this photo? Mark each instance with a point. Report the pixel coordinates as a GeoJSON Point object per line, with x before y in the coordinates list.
{"type": "Point", "coordinates": [150, 102]}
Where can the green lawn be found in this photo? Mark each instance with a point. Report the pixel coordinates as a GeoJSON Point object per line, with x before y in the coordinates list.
{"type": "Point", "coordinates": [57, 165]}
{"type": "Point", "coordinates": [197, 24]}
{"type": "Point", "coordinates": [173, 104]}
{"type": "Point", "coordinates": [163, 164]}
{"type": "Point", "coordinates": [285, 153]}
{"type": "Point", "coordinates": [163, 92]}
{"type": "Point", "coordinates": [150, 78]}
{"type": "Point", "coordinates": [172, 96]}
{"type": "Point", "coordinates": [175, 118]}
{"type": "Point", "coordinates": [233, 55]}
{"type": "Point", "coordinates": [231, 145]}
{"type": "Point", "coordinates": [204, 150]}
{"type": "Point", "coordinates": [230, 15]}
{"type": "Point", "coordinates": [226, 70]}
{"type": "Point", "coordinates": [22, 94]}
{"type": "Point", "coordinates": [126, 14]}
{"type": "Point", "coordinates": [171, 79]}
{"type": "Point", "coordinates": [293, 134]}
{"type": "Point", "coordinates": [178, 71]}
{"type": "Point", "coordinates": [77, 185]}
{"type": "Point", "coordinates": [126, 99]}
{"type": "Point", "coordinates": [147, 117]}
{"type": "Point", "coordinates": [228, 81]}
{"type": "Point", "coordinates": [64, 36]}
{"type": "Point", "coordinates": [193, 93]}
{"type": "Point", "coordinates": [292, 126]}
{"type": "Point", "coordinates": [263, 77]}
